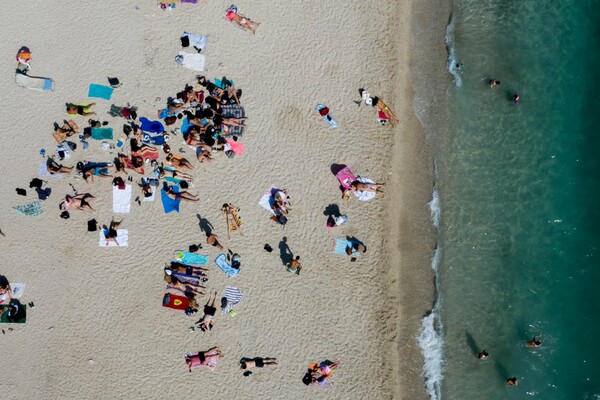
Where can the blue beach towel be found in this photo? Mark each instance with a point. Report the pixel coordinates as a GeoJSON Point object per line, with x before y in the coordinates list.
{"type": "Point", "coordinates": [151, 126]}
{"type": "Point", "coordinates": [221, 84]}
{"type": "Point", "coordinates": [102, 133]}
{"type": "Point", "coordinates": [185, 125]}
{"type": "Point", "coordinates": [185, 257]}
{"type": "Point", "coordinates": [222, 263]}
{"type": "Point", "coordinates": [153, 139]}
{"type": "Point", "coordinates": [100, 91]}
{"type": "Point", "coordinates": [341, 245]}
{"type": "Point", "coordinates": [30, 209]}
{"type": "Point", "coordinates": [169, 204]}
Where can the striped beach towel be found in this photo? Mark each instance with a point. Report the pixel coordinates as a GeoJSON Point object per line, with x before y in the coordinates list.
{"type": "Point", "coordinates": [233, 111]}
{"type": "Point", "coordinates": [233, 296]}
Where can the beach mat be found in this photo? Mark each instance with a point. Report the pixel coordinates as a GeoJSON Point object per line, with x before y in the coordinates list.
{"type": "Point", "coordinates": [122, 238]}
{"type": "Point", "coordinates": [34, 82]}
{"type": "Point", "coordinates": [222, 263]}
{"type": "Point", "coordinates": [185, 257]}
{"type": "Point", "coordinates": [30, 209]}
{"type": "Point", "coordinates": [43, 171]}
{"type": "Point", "coordinates": [266, 201]}
{"type": "Point", "coordinates": [175, 302]}
{"type": "Point", "coordinates": [233, 111]}
{"type": "Point", "coordinates": [122, 200]}
{"type": "Point", "coordinates": [169, 204]}
{"type": "Point", "coordinates": [341, 245]}
{"type": "Point", "coordinates": [16, 292]}
{"type": "Point", "coordinates": [195, 62]}
{"type": "Point", "coordinates": [100, 91]}
{"type": "Point", "coordinates": [236, 147]}
{"type": "Point", "coordinates": [4, 319]}
{"type": "Point", "coordinates": [102, 133]}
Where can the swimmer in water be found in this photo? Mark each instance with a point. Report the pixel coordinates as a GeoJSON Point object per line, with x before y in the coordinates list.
{"type": "Point", "coordinates": [516, 98]}
{"type": "Point", "coordinates": [535, 342]}
{"type": "Point", "coordinates": [512, 381]}
{"type": "Point", "coordinates": [459, 67]}
{"type": "Point", "coordinates": [483, 355]}
{"type": "Point", "coordinates": [492, 83]}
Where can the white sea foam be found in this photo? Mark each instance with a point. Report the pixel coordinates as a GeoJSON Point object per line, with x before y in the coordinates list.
{"type": "Point", "coordinates": [434, 207]}
{"type": "Point", "coordinates": [431, 344]}
{"type": "Point", "coordinates": [452, 58]}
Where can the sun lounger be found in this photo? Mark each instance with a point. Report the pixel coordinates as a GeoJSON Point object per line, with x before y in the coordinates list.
{"type": "Point", "coordinates": [122, 239]}
{"type": "Point", "coordinates": [100, 91]}
{"type": "Point", "coordinates": [222, 263]}
{"type": "Point", "coordinates": [121, 199]}
{"type": "Point", "coordinates": [185, 257]}
{"type": "Point", "coordinates": [34, 82]}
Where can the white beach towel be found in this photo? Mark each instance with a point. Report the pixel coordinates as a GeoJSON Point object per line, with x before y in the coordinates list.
{"type": "Point", "coordinates": [121, 199]}
{"type": "Point", "coordinates": [17, 292]}
{"type": "Point", "coordinates": [122, 238]}
{"type": "Point", "coordinates": [265, 201]}
{"type": "Point", "coordinates": [194, 62]}
{"type": "Point", "coordinates": [151, 198]}
{"type": "Point", "coordinates": [43, 171]}
{"type": "Point", "coordinates": [196, 41]}
{"type": "Point", "coordinates": [233, 296]}
{"type": "Point", "coordinates": [364, 195]}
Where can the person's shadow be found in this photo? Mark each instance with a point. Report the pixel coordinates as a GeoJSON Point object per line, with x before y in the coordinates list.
{"type": "Point", "coordinates": [472, 344]}
{"type": "Point", "coordinates": [205, 225]}
{"type": "Point", "coordinates": [332, 210]}
{"type": "Point", "coordinates": [285, 253]}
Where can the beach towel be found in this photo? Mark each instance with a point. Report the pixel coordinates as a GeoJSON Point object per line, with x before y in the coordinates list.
{"type": "Point", "coordinates": [4, 319]}
{"type": "Point", "coordinates": [236, 147]}
{"type": "Point", "coordinates": [30, 209]}
{"type": "Point", "coordinates": [43, 171]}
{"type": "Point", "coordinates": [346, 177]}
{"type": "Point", "coordinates": [16, 292]}
{"type": "Point", "coordinates": [222, 263]}
{"type": "Point", "coordinates": [102, 133]}
{"type": "Point", "coordinates": [122, 238]}
{"type": "Point", "coordinates": [151, 126]}
{"type": "Point", "coordinates": [195, 62]}
{"type": "Point", "coordinates": [266, 201]}
{"type": "Point", "coordinates": [121, 199]}
{"type": "Point", "coordinates": [34, 82]}
{"type": "Point", "coordinates": [342, 244]}
{"type": "Point", "coordinates": [210, 360]}
{"type": "Point", "coordinates": [221, 83]}
{"type": "Point", "coordinates": [185, 125]}
{"type": "Point", "coordinates": [175, 302]}
{"type": "Point", "coordinates": [100, 91]}
{"type": "Point", "coordinates": [364, 195]}
{"type": "Point", "coordinates": [190, 1]}
{"type": "Point", "coordinates": [190, 279]}
{"type": "Point", "coordinates": [233, 111]}
{"type": "Point", "coordinates": [169, 204]}
{"type": "Point", "coordinates": [185, 257]}
{"type": "Point", "coordinates": [233, 296]}
{"type": "Point", "coordinates": [157, 140]}
{"type": "Point", "coordinates": [196, 41]}
{"type": "Point", "coordinates": [152, 197]}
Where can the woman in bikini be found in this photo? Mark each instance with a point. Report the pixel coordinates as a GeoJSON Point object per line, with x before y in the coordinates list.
{"type": "Point", "coordinates": [206, 323]}
{"type": "Point", "coordinates": [164, 172]}
{"type": "Point", "coordinates": [219, 120]}
{"type": "Point", "coordinates": [240, 20]}
{"type": "Point", "coordinates": [233, 221]}
{"type": "Point", "coordinates": [55, 168]}
{"type": "Point", "coordinates": [135, 163]}
{"type": "Point", "coordinates": [178, 161]}
{"type": "Point", "coordinates": [377, 102]}
{"type": "Point", "coordinates": [208, 358]}
{"type": "Point", "coordinates": [110, 234]}
{"type": "Point", "coordinates": [358, 186]}
{"type": "Point", "coordinates": [78, 202]}
{"type": "Point", "coordinates": [62, 133]}
{"type": "Point", "coordinates": [188, 289]}
{"type": "Point", "coordinates": [181, 195]}
{"type": "Point", "coordinates": [80, 109]}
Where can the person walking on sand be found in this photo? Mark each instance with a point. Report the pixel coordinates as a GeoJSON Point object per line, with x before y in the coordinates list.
{"type": "Point", "coordinates": [535, 342]}
{"type": "Point", "coordinates": [212, 239]}
{"type": "Point", "coordinates": [492, 83]}
{"type": "Point", "coordinates": [294, 266]}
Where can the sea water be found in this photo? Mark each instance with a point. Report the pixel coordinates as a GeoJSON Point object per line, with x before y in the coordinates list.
{"type": "Point", "coordinates": [518, 188]}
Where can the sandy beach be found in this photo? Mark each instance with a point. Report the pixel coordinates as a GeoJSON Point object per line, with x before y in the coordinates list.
{"type": "Point", "coordinates": [98, 330]}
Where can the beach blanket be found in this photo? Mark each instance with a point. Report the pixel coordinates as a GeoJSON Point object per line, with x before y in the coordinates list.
{"type": "Point", "coordinates": [233, 111]}
{"type": "Point", "coordinates": [16, 292]}
{"type": "Point", "coordinates": [122, 199]}
{"type": "Point", "coordinates": [102, 133]}
{"type": "Point", "coordinates": [346, 177]}
{"type": "Point", "coordinates": [185, 257]}
{"type": "Point", "coordinates": [190, 1]}
{"type": "Point", "coordinates": [196, 41]}
{"type": "Point", "coordinates": [342, 244]}
{"type": "Point", "coordinates": [151, 126]}
{"type": "Point", "coordinates": [195, 62]}
{"type": "Point", "coordinates": [236, 147]}
{"type": "Point", "coordinates": [364, 195]}
{"type": "Point", "coordinates": [169, 204]}
{"type": "Point", "coordinates": [233, 296]}
{"type": "Point", "coordinates": [43, 171]}
{"type": "Point", "coordinates": [4, 319]}
{"type": "Point", "coordinates": [34, 82]}
{"type": "Point", "coordinates": [175, 302]}
{"type": "Point", "coordinates": [156, 140]}
{"type": "Point", "coordinates": [151, 198]}
{"type": "Point", "coordinates": [30, 209]}
{"type": "Point", "coordinates": [100, 91]}
{"type": "Point", "coordinates": [210, 360]}
{"type": "Point", "coordinates": [122, 238]}
{"type": "Point", "coordinates": [266, 201]}
{"type": "Point", "coordinates": [222, 263]}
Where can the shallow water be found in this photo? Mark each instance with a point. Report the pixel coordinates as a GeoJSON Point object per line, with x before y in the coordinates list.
{"type": "Point", "coordinates": [518, 189]}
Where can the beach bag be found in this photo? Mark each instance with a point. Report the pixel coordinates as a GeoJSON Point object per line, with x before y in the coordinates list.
{"type": "Point", "coordinates": [280, 219]}
{"type": "Point", "coordinates": [92, 225]}
{"type": "Point", "coordinates": [36, 183]}
{"type": "Point", "coordinates": [118, 181]}
{"type": "Point", "coordinates": [65, 215]}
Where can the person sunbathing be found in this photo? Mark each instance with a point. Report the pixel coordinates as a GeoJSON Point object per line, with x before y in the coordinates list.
{"type": "Point", "coordinates": [178, 161]}
{"type": "Point", "coordinates": [233, 221]}
{"type": "Point", "coordinates": [377, 102]}
{"type": "Point", "coordinates": [164, 172]}
{"type": "Point", "coordinates": [240, 20]}
{"type": "Point", "coordinates": [188, 289]}
{"type": "Point", "coordinates": [144, 151]}
{"type": "Point", "coordinates": [80, 109]}
{"type": "Point", "coordinates": [62, 133]}
{"type": "Point", "coordinates": [186, 270]}
{"type": "Point", "coordinates": [219, 120]}
{"type": "Point", "coordinates": [91, 169]}
{"type": "Point", "coordinates": [206, 322]}
{"type": "Point", "coordinates": [55, 168]}
{"type": "Point", "coordinates": [208, 358]}
{"type": "Point", "coordinates": [181, 195]}
{"type": "Point", "coordinates": [203, 154]}
{"type": "Point", "coordinates": [358, 186]}
{"type": "Point", "coordinates": [257, 362]}
{"type": "Point", "coordinates": [110, 234]}
{"type": "Point", "coordinates": [78, 202]}
{"type": "Point", "coordinates": [135, 163]}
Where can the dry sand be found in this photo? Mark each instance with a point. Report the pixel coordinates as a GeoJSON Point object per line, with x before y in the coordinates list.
{"type": "Point", "coordinates": [98, 330]}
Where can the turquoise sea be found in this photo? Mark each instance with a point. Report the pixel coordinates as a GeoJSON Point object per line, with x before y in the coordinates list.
{"type": "Point", "coordinates": [519, 215]}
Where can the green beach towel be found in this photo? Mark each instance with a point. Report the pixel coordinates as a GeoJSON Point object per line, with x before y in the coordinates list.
{"type": "Point", "coordinates": [30, 209]}
{"type": "Point", "coordinates": [102, 133]}
{"type": "Point", "coordinates": [100, 91]}
{"type": "Point", "coordinates": [4, 319]}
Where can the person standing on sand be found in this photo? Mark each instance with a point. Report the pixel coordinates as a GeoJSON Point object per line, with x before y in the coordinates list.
{"type": "Point", "coordinates": [211, 239]}
{"type": "Point", "coordinates": [535, 342]}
